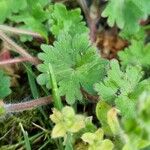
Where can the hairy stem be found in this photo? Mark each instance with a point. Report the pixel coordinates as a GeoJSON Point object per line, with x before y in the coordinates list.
{"type": "Point", "coordinates": [18, 107]}
{"type": "Point", "coordinates": [17, 48]}
{"type": "Point", "coordinates": [15, 30]}
{"type": "Point", "coordinates": [92, 16]}
{"type": "Point", "coordinates": [13, 61]}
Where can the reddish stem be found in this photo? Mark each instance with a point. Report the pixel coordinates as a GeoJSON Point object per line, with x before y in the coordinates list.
{"type": "Point", "coordinates": [17, 48]}
{"type": "Point", "coordinates": [12, 61]}
{"type": "Point", "coordinates": [15, 30]}
{"type": "Point", "coordinates": [92, 16]}
{"type": "Point", "coordinates": [18, 107]}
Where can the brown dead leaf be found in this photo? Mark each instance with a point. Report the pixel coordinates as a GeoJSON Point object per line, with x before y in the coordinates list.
{"type": "Point", "coordinates": [110, 43]}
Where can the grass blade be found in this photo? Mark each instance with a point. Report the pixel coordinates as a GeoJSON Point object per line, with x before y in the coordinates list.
{"type": "Point", "coordinates": [26, 138]}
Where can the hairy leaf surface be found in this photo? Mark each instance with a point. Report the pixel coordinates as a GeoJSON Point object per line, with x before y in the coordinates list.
{"type": "Point", "coordinates": [118, 85]}
{"type": "Point", "coordinates": [126, 14]}
{"type": "Point", "coordinates": [76, 64]}
{"type": "Point", "coordinates": [136, 54]}
{"type": "Point", "coordinates": [63, 20]}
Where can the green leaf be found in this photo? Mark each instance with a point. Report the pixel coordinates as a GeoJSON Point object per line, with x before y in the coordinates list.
{"type": "Point", "coordinates": [33, 16]}
{"type": "Point", "coordinates": [75, 63]}
{"type": "Point", "coordinates": [2, 109]}
{"type": "Point", "coordinates": [56, 116]}
{"type": "Point", "coordinates": [55, 93]}
{"type": "Point", "coordinates": [58, 131]}
{"type": "Point", "coordinates": [96, 141]}
{"type": "Point", "coordinates": [32, 82]}
{"type": "Point", "coordinates": [4, 85]}
{"type": "Point", "coordinates": [66, 121]}
{"type": "Point", "coordinates": [127, 106]}
{"type": "Point", "coordinates": [137, 129]}
{"type": "Point", "coordinates": [78, 124]}
{"type": "Point", "coordinates": [102, 109]}
{"type": "Point", "coordinates": [140, 35]}
{"type": "Point", "coordinates": [106, 145]}
{"type": "Point", "coordinates": [89, 125]}
{"type": "Point", "coordinates": [136, 54]}
{"type": "Point", "coordinates": [26, 138]}
{"type": "Point", "coordinates": [118, 82]}
{"type": "Point", "coordinates": [92, 137]}
{"type": "Point", "coordinates": [114, 13]}
{"type": "Point", "coordinates": [118, 85]}
{"type": "Point", "coordinates": [9, 6]}
{"type": "Point", "coordinates": [68, 142]}
{"type": "Point", "coordinates": [126, 14]}
{"type": "Point", "coordinates": [63, 20]}
{"type": "Point", "coordinates": [113, 121]}
{"type": "Point", "coordinates": [143, 111]}
{"type": "Point", "coordinates": [88, 137]}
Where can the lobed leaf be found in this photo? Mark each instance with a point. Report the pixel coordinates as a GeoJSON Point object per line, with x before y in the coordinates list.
{"type": "Point", "coordinates": [63, 20]}
{"type": "Point", "coordinates": [118, 86]}
{"type": "Point", "coordinates": [126, 14]}
{"type": "Point", "coordinates": [76, 64]}
{"type": "Point", "coordinates": [136, 54]}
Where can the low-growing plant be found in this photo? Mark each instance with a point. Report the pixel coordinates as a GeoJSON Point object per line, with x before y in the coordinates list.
{"type": "Point", "coordinates": [74, 78]}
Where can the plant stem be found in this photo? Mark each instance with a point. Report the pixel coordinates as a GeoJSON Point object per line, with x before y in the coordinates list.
{"type": "Point", "coordinates": [92, 16]}
{"type": "Point", "coordinates": [13, 61]}
{"type": "Point", "coordinates": [18, 107]}
{"type": "Point", "coordinates": [56, 97]}
{"type": "Point", "coordinates": [17, 48]}
{"type": "Point", "coordinates": [6, 28]}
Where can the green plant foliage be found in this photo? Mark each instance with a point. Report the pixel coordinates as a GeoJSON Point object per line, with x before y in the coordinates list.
{"type": "Point", "coordinates": [33, 16]}
{"type": "Point", "coordinates": [136, 54]}
{"type": "Point", "coordinates": [102, 109]}
{"type": "Point", "coordinates": [144, 112]}
{"type": "Point", "coordinates": [63, 20]}
{"type": "Point", "coordinates": [96, 141]}
{"type": "Point", "coordinates": [113, 121]}
{"type": "Point", "coordinates": [66, 121]}
{"type": "Point", "coordinates": [138, 129]}
{"type": "Point", "coordinates": [2, 110]}
{"type": "Point", "coordinates": [126, 14]}
{"type": "Point", "coordinates": [75, 63]}
{"type": "Point", "coordinates": [139, 36]}
{"type": "Point", "coordinates": [118, 85]}
{"type": "Point", "coordinates": [4, 85]}
{"type": "Point", "coordinates": [55, 93]}
{"type": "Point", "coordinates": [68, 142]}
{"type": "Point", "coordinates": [72, 67]}
{"type": "Point", "coordinates": [7, 7]}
